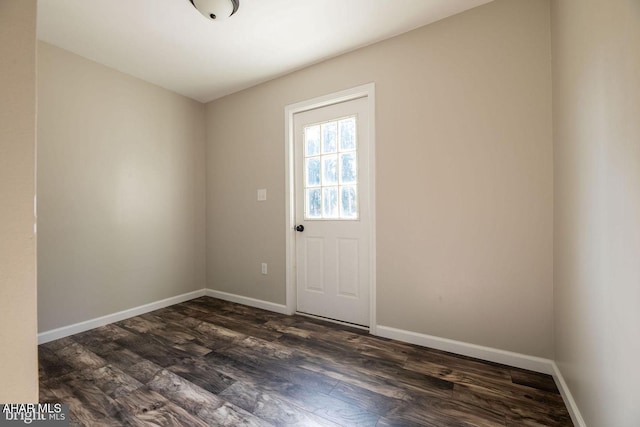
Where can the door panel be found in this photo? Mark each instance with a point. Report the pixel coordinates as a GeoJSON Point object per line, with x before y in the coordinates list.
{"type": "Point", "coordinates": [331, 202]}
{"type": "Point", "coordinates": [348, 264]}
{"type": "Point", "coordinates": [314, 271]}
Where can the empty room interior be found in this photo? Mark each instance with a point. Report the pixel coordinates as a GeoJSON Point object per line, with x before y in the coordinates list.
{"type": "Point", "coordinates": [321, 212]}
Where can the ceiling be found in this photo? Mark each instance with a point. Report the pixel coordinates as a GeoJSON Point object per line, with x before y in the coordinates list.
{"type": "Point", "coordinates": [168, 42]}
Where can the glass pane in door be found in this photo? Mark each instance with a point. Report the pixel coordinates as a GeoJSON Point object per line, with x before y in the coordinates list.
{"type": "Point", "coordinates": [331, 170]}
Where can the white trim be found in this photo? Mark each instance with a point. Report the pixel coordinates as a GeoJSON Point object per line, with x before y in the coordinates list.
{"type": "Point", "coordinates": [76, 328]}
{"type": "Point", "coordinates": [290, 214]}
{"type": "Point", "coordinates": [518, 360]}
{"type": "Point", "coordinates": [251, 302]}
{"type": "Point", "coordinates": [371, 94]}
{"type": "Point", "coordinates": [368, 91]}
{"type": "Point", "coordinates": [361, 91]}
{"type": "Point", "coordinates": [576, 416]}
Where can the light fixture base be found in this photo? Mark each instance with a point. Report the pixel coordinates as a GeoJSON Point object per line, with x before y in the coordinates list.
{"type": "Point", "coordinates": [216, 10]}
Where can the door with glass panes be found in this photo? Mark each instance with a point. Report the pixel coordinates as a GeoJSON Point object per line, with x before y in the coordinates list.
{"type": "Point", "coordinates": [332, 211]}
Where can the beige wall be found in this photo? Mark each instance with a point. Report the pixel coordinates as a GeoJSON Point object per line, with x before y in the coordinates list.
{"type": "Point", "coordinates": [596, 56]}
{"type": "Point", "coordinates": [464, 177]}
{"type": "Point", "coordinates": [120, 191]}
{"type": "Point", "coordinates": [18, 351]}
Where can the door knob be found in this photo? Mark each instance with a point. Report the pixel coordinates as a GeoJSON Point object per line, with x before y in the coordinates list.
{"type": "Point", "coordinates": [300, 228]}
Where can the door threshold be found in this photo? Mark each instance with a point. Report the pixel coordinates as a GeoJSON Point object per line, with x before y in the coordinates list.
{"type": "Point", "coordinates": [339, 322]}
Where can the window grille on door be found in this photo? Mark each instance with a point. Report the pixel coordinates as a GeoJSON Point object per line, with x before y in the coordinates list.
{"type": "Point", "coordinates": [331, 170]}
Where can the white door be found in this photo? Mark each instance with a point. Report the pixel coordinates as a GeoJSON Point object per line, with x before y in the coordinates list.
{"type": "Point", "coordinates": [332, 214]}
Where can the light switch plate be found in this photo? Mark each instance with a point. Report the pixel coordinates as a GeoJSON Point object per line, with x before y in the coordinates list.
{"type": "Point", "coordinates": [262, 194]}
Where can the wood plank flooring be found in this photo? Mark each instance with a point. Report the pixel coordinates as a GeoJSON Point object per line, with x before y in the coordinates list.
{"type": "Point", "coordinates": [208, 362]}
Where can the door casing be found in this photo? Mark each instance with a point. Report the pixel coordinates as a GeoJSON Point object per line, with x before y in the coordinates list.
{"type": "Point", "coordinates": [368, 91]}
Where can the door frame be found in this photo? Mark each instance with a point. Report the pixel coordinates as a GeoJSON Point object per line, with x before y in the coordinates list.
{"type": "Point", "coordinates": [368, 91]}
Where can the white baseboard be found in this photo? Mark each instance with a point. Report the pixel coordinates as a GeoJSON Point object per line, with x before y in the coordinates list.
{"type": "Point", "coordinates": [532, 363]}
{"type": "Point", "coordinates": [251, 302]}
{"type": "Point", "coordinates": [76, 328]}
{"type": "Point", "coordinates": [518, 360]}
{"type": "Point", "coordinates": [576, 416]}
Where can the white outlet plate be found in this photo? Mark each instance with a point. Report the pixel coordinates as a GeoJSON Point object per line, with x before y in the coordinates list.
{"type": "Point", "coordinates": [264, 268]}
{"type": "Point", "coordinates": [262, 194]}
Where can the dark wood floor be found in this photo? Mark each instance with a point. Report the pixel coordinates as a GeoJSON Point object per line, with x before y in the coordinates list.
{"type": "Point", "coordinates": [211, 362]}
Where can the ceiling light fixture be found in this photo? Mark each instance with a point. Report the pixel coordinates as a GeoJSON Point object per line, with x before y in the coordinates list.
{"type": "Point", "coordinates": [216, 10]}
